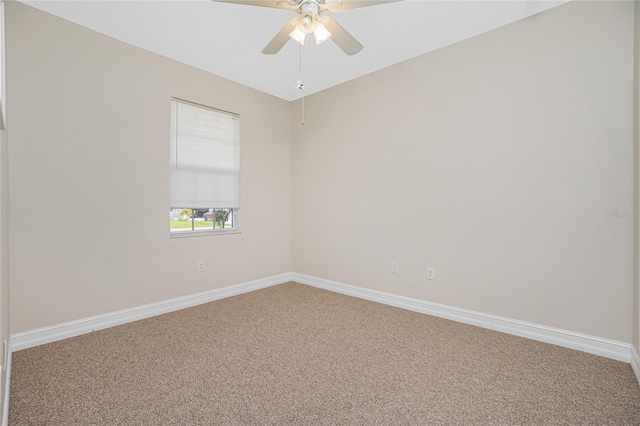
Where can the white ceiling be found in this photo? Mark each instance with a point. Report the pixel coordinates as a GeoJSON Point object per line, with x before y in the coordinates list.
{"type": "Point", "coordinates": [227, 39]}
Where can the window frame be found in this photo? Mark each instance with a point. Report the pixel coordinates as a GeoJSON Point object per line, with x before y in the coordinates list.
{"type": "Point", "coordinates": [201, 232]}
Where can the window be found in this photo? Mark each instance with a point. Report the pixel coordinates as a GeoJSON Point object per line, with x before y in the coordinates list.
{"type": "Point", "coordinates": [204, 170]}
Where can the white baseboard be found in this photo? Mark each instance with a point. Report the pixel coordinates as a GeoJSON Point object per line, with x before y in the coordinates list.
{"type": "Point", "coordinates": [594, 345]}
{"type": "Point", "coordinates": [590, 344]}
{"type": "Point", "coordinates": [7, 387]}
{"type": "Point", "coordinates": [635, 363]}
{"type": "Point", "coordinates": [53, 333]}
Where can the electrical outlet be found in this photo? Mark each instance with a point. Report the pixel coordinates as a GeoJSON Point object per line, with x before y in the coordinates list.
{"type": "Point", "coordinates": [200, 265]}
{"type": "Point", "coordinates": [394, 267]}
{"type": "Point", "coordinates": [431, 273]}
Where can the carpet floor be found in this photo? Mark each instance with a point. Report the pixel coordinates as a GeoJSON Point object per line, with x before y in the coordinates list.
{"type": "Point", "coordinates": [297, 355]}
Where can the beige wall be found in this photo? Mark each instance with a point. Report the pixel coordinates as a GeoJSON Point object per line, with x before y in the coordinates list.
{"type": "Point", "coordinates": [492, 160]}
{"type": "Point", "coordinates": [89, 177]}
{"type": "Point", "coordinates": [4, 238]}
{"type": "Point", "coordinates": [636, 178]}
{"type": "Point", "coordinates": [4, 254]}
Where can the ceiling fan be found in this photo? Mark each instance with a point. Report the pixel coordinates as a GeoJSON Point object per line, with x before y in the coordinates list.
{"type": "Point", "coordinates": [311, 21]}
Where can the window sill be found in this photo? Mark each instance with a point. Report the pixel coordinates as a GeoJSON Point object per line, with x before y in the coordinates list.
{"type": "Point", "coordinates": [188, 234]}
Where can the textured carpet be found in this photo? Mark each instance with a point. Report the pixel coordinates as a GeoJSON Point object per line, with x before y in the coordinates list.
{"type": "Point", "coordinates": [293, 354]}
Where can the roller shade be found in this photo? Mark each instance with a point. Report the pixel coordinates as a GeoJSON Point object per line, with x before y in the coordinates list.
{"type": "Point", "coordinates": [205, 157]}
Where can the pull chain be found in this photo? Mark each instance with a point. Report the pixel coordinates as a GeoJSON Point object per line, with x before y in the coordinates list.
{"type": "Point", "coordinates": [302, 50]}
{"type": "Point", "coordinates": [300, 85]}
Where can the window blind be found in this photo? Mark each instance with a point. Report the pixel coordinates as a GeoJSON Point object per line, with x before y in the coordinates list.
{"type": "Point", "coordinates": [205, 157]}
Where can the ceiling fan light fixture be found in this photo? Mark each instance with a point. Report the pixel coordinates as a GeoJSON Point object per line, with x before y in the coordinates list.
{"type": "Point", "coordinates": [309, 17]}
{"type": "Point", "coordinates": [321, 33]}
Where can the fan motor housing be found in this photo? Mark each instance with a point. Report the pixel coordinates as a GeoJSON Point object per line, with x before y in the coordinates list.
{"type": "Point", "coordinates": [309, 8]}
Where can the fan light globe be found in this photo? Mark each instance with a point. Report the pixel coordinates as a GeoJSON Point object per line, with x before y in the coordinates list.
{"type": "Point", "coordinates": [305, 22]}
{"type": "Point", "coordinates": [306, 25]}
{"type": "Point", "coordinates": [321, 33]}
{"type": "Point", "coordinates": [298, 35]}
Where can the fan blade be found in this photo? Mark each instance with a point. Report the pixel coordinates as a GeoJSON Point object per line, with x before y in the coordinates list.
{"type": "Point", "coordinates": [341, 37]}
{"type": "Point", "coordinates": [263, 3]}
{"type": "Point", "coordinates": [352, 4]}
{"type": "Point", "coordinates": [281, 38]}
